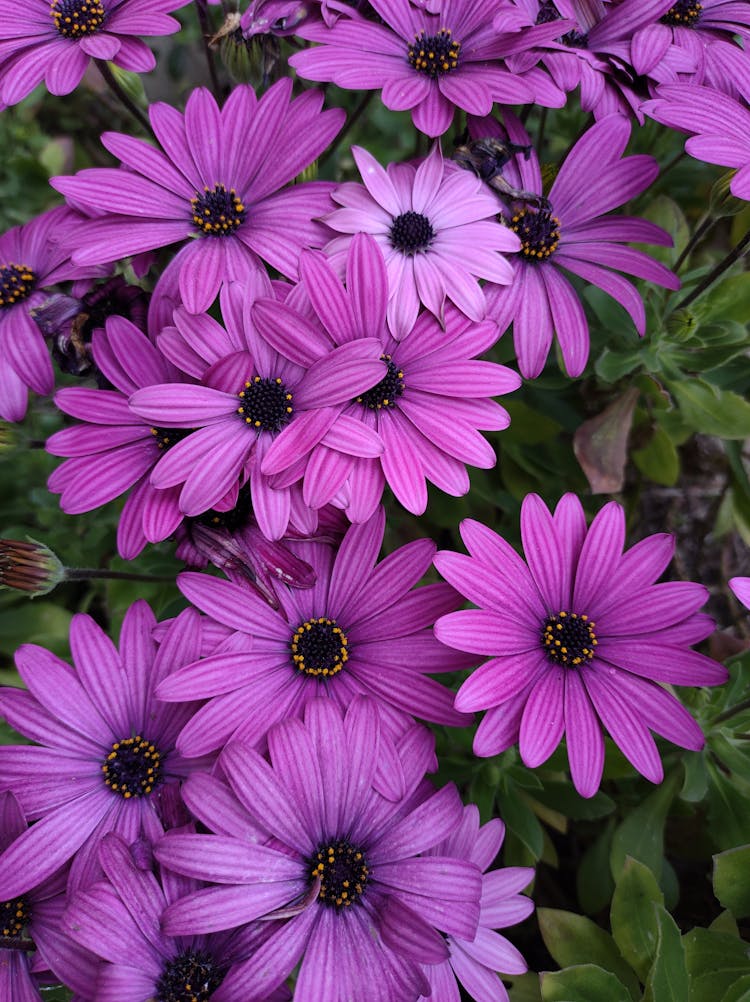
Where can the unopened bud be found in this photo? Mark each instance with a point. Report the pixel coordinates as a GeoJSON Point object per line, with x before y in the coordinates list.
{"type": "Point", "coordinates": [721, 200]}
{"type": "Point", "coordinates": [29, 566]}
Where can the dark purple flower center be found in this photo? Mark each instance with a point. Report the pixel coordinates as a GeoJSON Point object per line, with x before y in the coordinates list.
{"type": "Point", "coordinates": [14, 917]}
{"type": "Point", "coordinates": [569, 639]}
{"type": "Point", "coordinates": [167, 437]}
{"type": "Point", "coordinates": [192, 976]}
{"type": "Point", "coordinates": [217, 212]}
{"type": "Point", "coordinates": [265, 404]}
{"type": "Point", "coordinates": [133, 767]}
{"type": "Point", "coordinates": [434, 54]}
{"type": "Point", "coordinates": [342, 871]}
{"type": "Point", "coordinates": [573, 39]}
{"type": "Point", "coordinates": [683, 14]}
{"type": "Point", "coordinates": [539, 233]}
{"type": "Point", "coordinates": [16, 283]}
{"type": "Point", "coordinates": [387, 391]}
{"type": "Point", "coordinates": [411, 232]}
{"type": "Point", "coordinates": [319, 648]}
{"type": "Point", "coordinates": [77, 18]}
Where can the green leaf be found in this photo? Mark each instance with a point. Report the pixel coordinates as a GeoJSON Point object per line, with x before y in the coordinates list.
{"type": "Point", "coordinates": [584, 983]}
{"type": "Point", "coordinates": [633, 918]}
{"type": "Point", "coordinates": [574, 939]}
{"type": "Point", "coordinates": [641, 834]}
{"type": "Point", "coordinates": [658, 459]}
{"type": "Point", "coordinates": [712, 411]}
{"type": "Point", "coordinates": [739, 992]}
{"type": "Point", "coordinates": [715, 962]}
{"type": "Point", "coordinates": [732, 880]}
{"type": "Point", "coordinates": [730, 300]}
{"type": "Point", "coordinates": [729, 808]}
{"type": "Point", "coordinates": [594, 883]}
{"type": "Point", "coordinates": [562, 797]}
{"type": "Point", "coordinates": [526, 988]}
{"type": "Point", "coordinates": [668, 979]}
{"type": "Point", "coordinates": [696, 777]}
{"type": "Point", "coordinates": [735, 754]}
{"type": "Point", "coordinates": [521, 820]}
{"type": "Point", "coordinates": [529, 426]}
{"type": "Point", "coordinates": [613, 365]}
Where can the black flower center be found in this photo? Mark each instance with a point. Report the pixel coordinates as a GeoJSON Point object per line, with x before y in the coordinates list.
{"type": "Point", "coordinates": [217, 212]}
{"type": "Point", "coordinates": [683, 14]}
{"type": "Point", "coordinates": [319, 648]}
{"type": "Point", "coordinates": [133, 767]}
{"type": "Point", "coordinates": [342, 870]}
{"type": "Point", "coordinates": [434, 54]}
{"type": "Point", "coordinates": [387, 391]}
{"type": "Point", "coordinates": [192, 976]}
{"type": "Point", "coordinates": [548, 13]}
{"type": "Point", "coordinates": [14, 917]}
{"type": "Point", "coordinates": [265, 404]}
{"type": "Point", "coordinates": [77, 18]}
{"type": "Point", "coordinates": [569, 639]}
{"type": "Point", "coordinates": [16, 283]}
{"type": "Point", "coordinates": [411, 232]}
{"type": "Point", "coordinates": [539, 233]}
{"type": "Point", "coordinates": [167, 437]}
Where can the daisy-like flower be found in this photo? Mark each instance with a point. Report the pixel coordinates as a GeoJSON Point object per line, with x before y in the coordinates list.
{"type": "Point", "coordinates": [105, 747]}
{"type": "Point", "coordinates": [31, 922]}
{"type": "Point", "coordinates": [54, 41]}
{"type": "Point", "coordinates": [741, 588]}
{"type": "Point", "coordinates": [571, 231]}
{"type": "Point", "coordinates": [345, 865]}
{"type": "Point", "coordinates": [119, 920]}
{"type": "Point", "coordinates": [579, 639]}
{"type": "Point", "coordinates": [429, 59]}
{"type": "Point", "coordinates": [30, 260]}
{"type": "Point", "coordinates": [720, 127]}
{"type": "Point", "coordinates": [433, 373]}
{"type": "Point", "coordinates": [253, 394]}
{"type": "Point", "coordinates": [362, 627]}
{"type": "Point", "coordinates": [438, 232]}
{"type": "Point", "coordinates": [474, 963]}
{"type": "Point", "coordinates": [215, 189]}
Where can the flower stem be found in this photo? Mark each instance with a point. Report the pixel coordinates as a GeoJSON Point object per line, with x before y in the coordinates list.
{"type": "Point", "coordinates": [206, 33]}
{"type": "Point", "coordinates": [700, 231]}
{"type": "Point", "coordinates": [93, 573]}
{"type": "Point", "coordinates": [734, 255]}
{"type": "Point", "coordinates": [732, 711]}
{"type": "Point", "coordinates": [120, 94]}
{"type": "Point", "coordinates": [351, 120]}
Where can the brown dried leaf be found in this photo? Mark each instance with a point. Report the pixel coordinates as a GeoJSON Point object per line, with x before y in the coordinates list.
{"type": "Point", "coordinates": [601, 444]}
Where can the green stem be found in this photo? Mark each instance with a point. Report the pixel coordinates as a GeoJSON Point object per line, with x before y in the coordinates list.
{"type": "Point", "coordinates": [700, 231]}
{"type": "Point", "coordinates": [206, 33]}
{"type": "Point", "coordinates": [732, 711]}
{"type": "Point", "coordinates": [93, 573]}
{"type": "Point", "coordinates": [734, 255]}
{"type": "Point", "coordinates": [540, 132]}
{"type": "Point", "coordinates": [672, 163]}
{"type": "Point", "coordinates": [120, 94]}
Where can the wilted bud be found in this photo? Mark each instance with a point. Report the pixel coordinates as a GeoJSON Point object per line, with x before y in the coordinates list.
{"type": "Point", "coordinates": [29, 566]}
{"type": "Point", "coordinates": [721, 201]}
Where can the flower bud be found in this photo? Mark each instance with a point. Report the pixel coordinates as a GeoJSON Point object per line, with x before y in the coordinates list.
{"type": "Point", "coordinates": [29, 566]}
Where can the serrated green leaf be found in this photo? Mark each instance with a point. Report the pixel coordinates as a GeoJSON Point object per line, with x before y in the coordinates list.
{"type": "Point", "coordinates": [668, 978]}
{"type": "Point", "coordinates": [730, 299]}
{"type": "Point", "coordinates": [732, 880]}
{"type": "Point", "coordinates": [574, 939]}
{"type": "Point", "coordinates": [611, 366]}
{"type": "Point", "coordinates": [584, 983]}
{"type": "Point", "coordinates": [712, 411]}
{"type": "Point", "coordinates": [634, 924]}
{"type": "Point", "coordinates": [658, 459]}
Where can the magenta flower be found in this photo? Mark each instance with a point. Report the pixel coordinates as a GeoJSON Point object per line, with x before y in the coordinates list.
{"type": "Point", "coordinates": [427, 62]}
{"type": "Point", "coordinates": [580, 638]}
{"type": "Point", "coordinates": [431, 374]}
{"type": "Point", "coordinates": [437, 229]}
{"type": "Point", "coordinates": [720, 127]}
{"type": "Point", "coordinates": [30, 260]}
{"type": "Point", "coordinates": [741, 588]}
{"type": "Point", "coordinates": [574, 233]}
{"type": "Point", "coordinates": [118, 920]}
{"type": "Point", "coordinates": [216, 185]}
{"type": "Point", "coordinates": [474, 963]}
{"type": "Point", "coordinates": [105, 753]}
{"type": "Point", "coordinates": [114, 451]}
{"type": "Point", "coordinates": [54, 41]}
{"type": "Point", "coordinates": [344, 864]}
{"type": "Point", "coordinates": [362, 628]}
{"type": "Point", "coordinates": [253, 396]}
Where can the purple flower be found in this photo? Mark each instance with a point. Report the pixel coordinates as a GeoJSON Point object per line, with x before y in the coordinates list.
{"type": "Point", "coordinates": [362, 628]}
{"type": "Point", "coordinates": [31, 922]}
{"type": "Point", "coordinates": [427, 62]}
{"type": "Point", "coordinates": [365, 907]}
{"type": "Point", "coordinates": [105, 747]}
{"type": "Point", "coordinates": [437, 230]}
{"type": "Point", "coordinates": [580, 638]}
{"type": "Point", "coordinates": [114, 450]}
{"type": "Point", "coordinates": [741, 588]}
{"type": "Point", "coordinates": [216, 186]}
{"type": "Point", "coordinates": [431, 374]}
{"type": "Point", "coordinates": [253, 396]}
{"type": "Point", "coordinates": [30, 260]}
{"type": "Point", "coordinates": [474, 962]}
{"type": "Point", "coordinates": [572, 232]}
{"type": "Point", "coordinates": [54, 42]}
{"type": "Point", "coordinates": [720, 127]}
{"type": "Point", "coordinates": [119, 920]}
